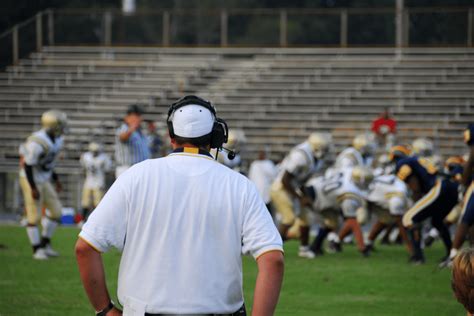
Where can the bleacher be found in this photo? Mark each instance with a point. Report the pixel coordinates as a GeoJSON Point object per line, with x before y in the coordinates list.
{"type": "Point", "coordinates": [277, 96]}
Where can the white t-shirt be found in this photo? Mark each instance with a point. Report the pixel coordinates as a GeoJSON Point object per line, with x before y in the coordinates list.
{"type": "Point", "coordinates": [96, 167]}
{"type": "Point", "coordinates": [182, 222]}
{"type": "Point", "coordinates": [389, 193]}
{"type": "Point", "coordinates": [262, 173]}
{"type": "Point", "coordinates": [40, 152]}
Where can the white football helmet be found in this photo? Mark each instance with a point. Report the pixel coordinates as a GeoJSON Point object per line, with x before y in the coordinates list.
{"type": "Point", "coordinates": [364, 143]}
{"type": "Point", "coordinates": [320, 144]}
{"type": "Point", "coordinates": [55, 121]}
{"type": "Point", "coordinates": [423, 147]}
{"type": "Point", "coordinates": [362, 176]}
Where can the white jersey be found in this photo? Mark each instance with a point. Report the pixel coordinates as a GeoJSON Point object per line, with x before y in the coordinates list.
{"type": "Point", "coordinates": [262, 173]}
{"type": "Point", "coordinates": [182, 223]}
{"type": "Point", "coordinates": [95, 167]}
{"type": "Point", "coordinates": [389, 193]}
{"type": "Point", "coordinates": [300, 163]}
{"type": "Point", "coordinates": [40, 152]}
{"type": "Point", "coordinates": [329, 192]}
{"type": "Point", "coordinates": [351, 157]}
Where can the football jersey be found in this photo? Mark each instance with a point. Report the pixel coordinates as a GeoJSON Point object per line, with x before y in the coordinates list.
{"type": "Point", "coordinates": [95, 167]}
{"type": "Point", "coordinates": [385, 187]}
{"type": "Point", "coordinates": [300, 163]}
{"type": "Point", "coordinates": [469, 134]}
{"type": "Point", "coordinates": [41, 152]}
{"type": "Point", "coordinates": [329, 192]}
{"type": "Point", "coordinates": [420, 168]}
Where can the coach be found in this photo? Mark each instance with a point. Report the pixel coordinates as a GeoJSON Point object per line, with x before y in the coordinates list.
{"type": "Point", "coordinates": [182, 223]}
{"type": "Point", "coordinates": [131, 144]}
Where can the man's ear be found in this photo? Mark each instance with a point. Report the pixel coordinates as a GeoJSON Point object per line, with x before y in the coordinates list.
{"type": "Point", "coordinates": [172, 141]}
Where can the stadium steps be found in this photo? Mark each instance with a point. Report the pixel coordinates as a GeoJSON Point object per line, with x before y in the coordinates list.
{"type": "Point", "coordinates": [278, 96]}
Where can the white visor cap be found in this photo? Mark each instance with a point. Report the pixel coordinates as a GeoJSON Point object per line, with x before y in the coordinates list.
{"type": "Point", "coordinates": [192, 120]}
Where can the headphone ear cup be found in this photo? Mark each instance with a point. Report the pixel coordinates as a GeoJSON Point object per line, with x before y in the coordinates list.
{"type": "Point", "coordinates": [218, 135]}
{"type": "Point", "coordinates": [170, 128]}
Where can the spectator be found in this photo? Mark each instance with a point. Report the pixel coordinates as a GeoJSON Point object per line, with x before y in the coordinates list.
{"type": "Point", "coordinates": [384, 127]}
{"type": "Point", "coordinates": [262, 172]}
{"type": "Point", "coordinates": [131, 144]}
{"type": "Point", "coordinates": [462, 279]}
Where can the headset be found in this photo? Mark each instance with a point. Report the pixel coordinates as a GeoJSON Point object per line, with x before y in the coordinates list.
{"type": "Point", "coordinates": [220, 131]}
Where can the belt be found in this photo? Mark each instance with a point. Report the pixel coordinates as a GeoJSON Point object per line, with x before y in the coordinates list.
{"type": "Point", "coordinates": [240, 312]}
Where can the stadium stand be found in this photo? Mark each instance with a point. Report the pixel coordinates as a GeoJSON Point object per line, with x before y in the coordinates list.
{"type": "Point", "coordinates": [276, 95]}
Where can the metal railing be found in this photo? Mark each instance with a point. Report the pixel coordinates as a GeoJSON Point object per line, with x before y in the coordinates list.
{"type": "Point", "coordinates": [342, 27]}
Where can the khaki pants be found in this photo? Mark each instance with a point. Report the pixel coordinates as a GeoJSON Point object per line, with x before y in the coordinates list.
{"type": "Point", "coordinates": [48, 198]}
{"type": "Point", "coordinates": [284, 205]}
{"type": "Point", "coordinates": [91, 197]}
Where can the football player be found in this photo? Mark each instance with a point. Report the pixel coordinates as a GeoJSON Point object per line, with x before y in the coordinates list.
{"type": "Point", "coordinates": [388, 198]}
{"type": "Point", "coordinates": [39, 154]}
{"type": "Point", "coordinates": [341, 193]}
{"type": "Point", "coordinates": [360, 154]}
{"type": "Point", "coordinates": [286, 195]}
{"type": "Point", "coordinates": [434, 198]}
{"type": "Point", "coordinates": [453, 168]}
{"type": "Point", "coordinates": [95, 164]}
{"type": "Point", "coordinates": [467, 214]}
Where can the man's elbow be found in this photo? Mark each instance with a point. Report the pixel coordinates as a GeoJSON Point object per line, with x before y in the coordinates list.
{"type": "Point", "coordinates": [83, 249]}
{"type": "Point", "coordinates": [273, 259]}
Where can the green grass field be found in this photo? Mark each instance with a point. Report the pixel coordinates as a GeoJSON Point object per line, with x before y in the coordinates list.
{"type": "Point", "coordinates": [336, 284]}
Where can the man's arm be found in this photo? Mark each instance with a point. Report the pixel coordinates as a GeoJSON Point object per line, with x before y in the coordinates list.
{"type": "Point", "coordinates": [31, 180]}
{"type": "Point", "coordinates": [92, 274]}
{"type": "Point", "coordinates": [288, 186]}
{"type": "Point", "coordinates": [467, 171]}
{"type": "Point", "coordinates": [268, 284]}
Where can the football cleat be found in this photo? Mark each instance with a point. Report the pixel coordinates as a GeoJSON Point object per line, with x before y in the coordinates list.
{"type": "Point", "coordinates": [305, 252]}
{"type": "Point", "coordinates": [40, 254]}
{"type": "Point", "coordinates": [416, 260]}
{"type": "Point", "coordinates": [366, 251]}
{"type": "Point", "coordinates": [334, 246]}
{"type": "Point", "coordinates": [447, 263]}
{"type": "Point", "coordinates": [50, 252]}
{"type": "Point", "coordinates": [429, 241]}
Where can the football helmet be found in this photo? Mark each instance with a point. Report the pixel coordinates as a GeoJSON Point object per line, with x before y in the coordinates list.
{"type": "Point", "coordinates": [398, 152]}
{"type": "Point", "coordinates": [236, 139]}
{"type": "Point", "coordinates": [362, 176]}
{"type": "Point", "coordinates": [54, 121]}
{"type": "Point", "coordinates": [423, 147]}
{"type": "Point", "coordinates": [320, 144]}
{"type": "Point", "coordinates": [364, 143]}
{"type": "Point", "coordinates": [94, 147]}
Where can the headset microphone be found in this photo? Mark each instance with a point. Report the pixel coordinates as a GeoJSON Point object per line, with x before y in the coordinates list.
{"type": "Point", "coordinates": [230, 153]}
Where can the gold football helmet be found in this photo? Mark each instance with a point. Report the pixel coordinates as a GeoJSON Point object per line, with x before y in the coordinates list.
{"type": "Point", "coordinates": [94, 147]}
{"type": "Point", "coordinates": [320, 144]}
{"type": "Point", "coordinates": [54, 121]}
{"type": "Point", "coordinates": [364, 143]}
{"type": "Point", "coordinates": [362, 176]}
{"type": "Point", "coordinates": [423, 147]}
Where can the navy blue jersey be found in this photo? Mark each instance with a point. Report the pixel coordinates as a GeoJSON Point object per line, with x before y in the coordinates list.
{"type": "Point", "coordinates": [469, 134]}
{"type": "Point", "coordinates": [420, 168]}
